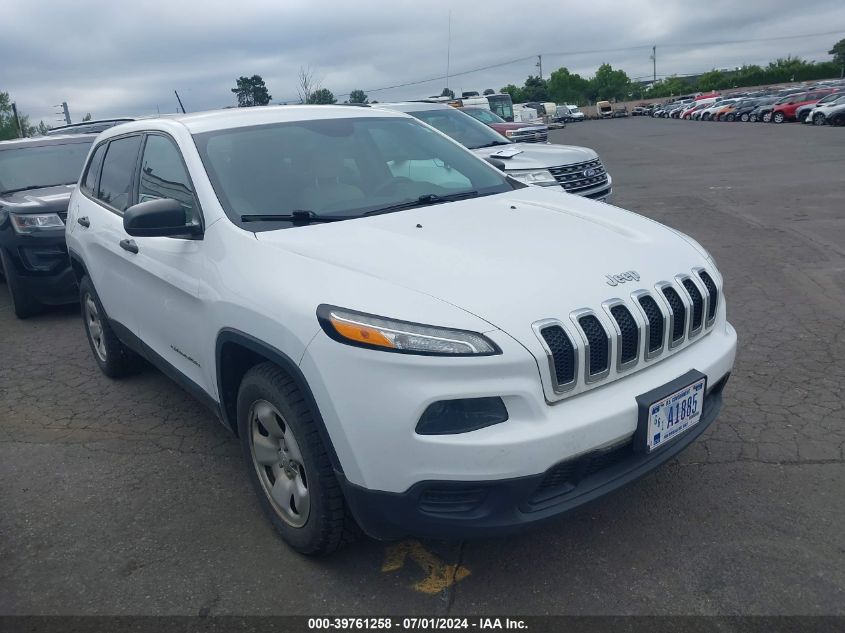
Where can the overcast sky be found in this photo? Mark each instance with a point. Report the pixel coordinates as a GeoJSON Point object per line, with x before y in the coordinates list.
{"type": "Point", "coordinates": [111, 58]}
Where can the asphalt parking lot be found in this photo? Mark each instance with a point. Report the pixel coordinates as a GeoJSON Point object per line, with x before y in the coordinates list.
{"type": "Point", "coordinates": [128, 497]}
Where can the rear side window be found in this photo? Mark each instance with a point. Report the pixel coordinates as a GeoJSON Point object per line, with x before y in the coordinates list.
{"type": "Point", "coordinates": [118, 171]}
{"type": "Point", "coordinates": [163, 175]}
{"type": "Point", "coordinates": [89, 184]}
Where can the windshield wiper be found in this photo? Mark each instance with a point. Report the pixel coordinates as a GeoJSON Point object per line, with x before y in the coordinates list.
{"type": "Point", "coordinates": [423, 201]}
{"type": "Point", "coordinates": [492, 144]}
{"type": "Point", "coordinates": [299, 217]}
{"type": "Point", "coordinates": [28, 187]}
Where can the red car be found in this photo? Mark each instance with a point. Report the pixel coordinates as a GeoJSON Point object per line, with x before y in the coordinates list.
{"type": "Point", "coordinates": [516, 132]}
{"type": "Point", "coordinates": [786, 111]}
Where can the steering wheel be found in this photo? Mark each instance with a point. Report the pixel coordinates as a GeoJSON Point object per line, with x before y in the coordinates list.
{"type": "Point", "coordinates": [390, 184]}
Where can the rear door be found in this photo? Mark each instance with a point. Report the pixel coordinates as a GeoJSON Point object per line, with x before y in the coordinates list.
{"type": "Point", "coordinates": [106, 250]}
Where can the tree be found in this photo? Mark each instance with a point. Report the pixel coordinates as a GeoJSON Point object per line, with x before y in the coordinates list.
{"type": "Point", "coordinates": [323, 96]}
{"type": "Point", "coordinates": [357, 96]}
{"type": "Point", "coordinates": [514, 92]}
{"type": "Point", "coordinates": [713, 80]}
{"type": "Point", "coordinates": [42, 128]}
{"type": "Point", "coordinates": [447, 93]}
{"type": "Point", "coordinates": [609, 84]}
{"type": "Point", "coordinates": [87, 117]}
{"type": "Point", "coordinates": [251, 91]}
{"type": "Point", "coordinates": [838, 52]}
{"type": "Point", "coordinates": [307, 83]}
{"type": "Point", "coordinates": [566, 87]}
{"type": "Point", "coordinates": [489, 91]}
{"type": "Point", "coordinates": [8, 125]}
{"type": "Point", "coordinates": [535, 89]}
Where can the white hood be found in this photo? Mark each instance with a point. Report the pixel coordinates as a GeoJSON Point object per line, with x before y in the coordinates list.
{"type": "Point", "coordinates": [539, 155]}
{"type": "Point", "coordinates": [510, 259]}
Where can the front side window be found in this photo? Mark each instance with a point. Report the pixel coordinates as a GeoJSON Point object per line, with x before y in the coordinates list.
{"type": "Point", "coordinates": [118, 171]}
{"type": "Point", "coordinates": [35, 167]}
{"type": "Point", "coordinates": [341, 168]}
{"type": "Point", "coordinates": [163, 175]}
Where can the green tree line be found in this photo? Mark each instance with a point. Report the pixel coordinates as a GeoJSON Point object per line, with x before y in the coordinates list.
{"type": "Point", "coordinates": [564, 86]}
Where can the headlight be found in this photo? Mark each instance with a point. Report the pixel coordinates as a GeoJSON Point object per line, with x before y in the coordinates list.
{"type": "Point", "coordinates": [541, 177]}
{"type": "Point", "coordinates": [32, 223]}
{"type": "Point", "coordinates": [375, 332]}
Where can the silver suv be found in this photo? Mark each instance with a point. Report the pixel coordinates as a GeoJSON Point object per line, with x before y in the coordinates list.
{"type": "Point", "coordinates": [574, 169]}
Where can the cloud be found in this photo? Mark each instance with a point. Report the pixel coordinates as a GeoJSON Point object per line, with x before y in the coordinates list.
{"type": "Point", "coordinates": [112, 58]}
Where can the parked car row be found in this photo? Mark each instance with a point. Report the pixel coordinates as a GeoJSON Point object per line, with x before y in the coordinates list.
{"type": "Point", "coordinates": [822, 104]}
{"type": "Point", "coordinates": [364, 302]}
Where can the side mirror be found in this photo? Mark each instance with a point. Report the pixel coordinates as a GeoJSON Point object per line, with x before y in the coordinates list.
{"type": "Point", "coordinates": [496, 163]}
{"type": "Point", "coordinates": [163, 217]}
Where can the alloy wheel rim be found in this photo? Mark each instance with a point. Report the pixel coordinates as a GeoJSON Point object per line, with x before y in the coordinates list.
{"type": "Point", "coordinates": [278, 463]}
{"type": "Point", "coordinates": [95, 327]}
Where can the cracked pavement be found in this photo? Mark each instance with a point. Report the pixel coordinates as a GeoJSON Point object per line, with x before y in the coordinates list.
{"type": "Point", "coordinates": [128, 497]}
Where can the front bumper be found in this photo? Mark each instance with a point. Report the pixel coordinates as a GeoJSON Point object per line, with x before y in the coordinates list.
{"type": "Point", "coordinates": [41, 263]}
{"type": "Point", "coordinates": [454, 509]}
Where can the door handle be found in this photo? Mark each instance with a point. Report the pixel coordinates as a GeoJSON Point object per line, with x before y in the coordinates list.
{"type": "Point", "coordinates": [129, 245]}
{"type": "Point", "coordinates": [84, 221]}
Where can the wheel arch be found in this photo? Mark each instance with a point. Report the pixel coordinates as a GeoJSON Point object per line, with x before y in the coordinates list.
{"type": "Point", "coordinates": [78, 266]}
{"type": "Point", "coordinates": [236, 353]}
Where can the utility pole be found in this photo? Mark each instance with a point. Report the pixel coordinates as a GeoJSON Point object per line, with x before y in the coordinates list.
{"type": "Point", "coordinates": [540, 65]}
{"type": "Point", "coordinates": [448, 48]}
{"type": "Point", "coordinates": [66, 112]}
{"type": "Point", "coordinates": [654, 62]}
{"type": "Point", "coordinates": [17, 120]}
{"type": "Point", "coordinates": [180, 101]}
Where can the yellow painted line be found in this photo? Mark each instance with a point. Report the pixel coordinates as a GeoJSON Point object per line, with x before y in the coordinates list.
{"type": "Point", "coordinates": [439, 575]}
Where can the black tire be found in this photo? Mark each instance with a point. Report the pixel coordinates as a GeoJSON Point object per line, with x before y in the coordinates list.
{"type": "Point", "coordinates": [114, 359]}
{"type": "Point", "coordinates": [731, 117]}
{"type": "Point", "coordinates": [778, 117]}
{"type": "Point", "coordinates": [744, 118]}
{"type": "Point", "coordinates": [23, 305]}
{"type": "Point", "coordinates": [818, 119]}
{"type": "Point", "coordinates": [837, 119]}
{"type": "Point", "coordinates": [705, 117]}
{"type": "Point", "coordinates": [328, 524]}
{"type": "Point", "coordinates": [767, 118]}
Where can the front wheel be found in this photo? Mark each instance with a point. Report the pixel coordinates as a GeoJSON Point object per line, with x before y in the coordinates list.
{"type": "Point", "coordinates": [837, 119]}
{"type": "Point", "coordinates": [730, 118]}
{"type": "Point", "coordinates": [818, 119]}
{"type": "Point", "coordinates": [778, 117]}
{"type": "Point", "coordinates": [744, 118]}
{"type": "Point", "coordinates": [767, 117]}
{"type": "Point", "coordinates": [289, 466]}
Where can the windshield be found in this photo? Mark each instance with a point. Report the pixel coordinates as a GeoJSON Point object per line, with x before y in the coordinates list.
{"type": "Point", "coordinates": [464, 129]}
{"type": "Point", "coordinates": [41, 166]}
{"type": "Point", "coordinates": [339, 167]}
{"type": "Point", "coordinates": [485, 116]}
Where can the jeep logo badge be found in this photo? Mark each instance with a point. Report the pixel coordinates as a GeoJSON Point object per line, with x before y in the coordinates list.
{"type": "Point", "coordinates": [621, 278]}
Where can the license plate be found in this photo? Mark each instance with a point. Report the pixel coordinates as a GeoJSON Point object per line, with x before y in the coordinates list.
{"type": "Point", "coordinates": [675, 414]}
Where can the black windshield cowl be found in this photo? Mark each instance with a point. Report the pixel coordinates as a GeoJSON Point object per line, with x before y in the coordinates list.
{"type": "Point", "coordinates": [30, 187]}
{"type": "Point", "coordinates": [300, 217]}
{"type": "Point", "coordinates": [492, 144]}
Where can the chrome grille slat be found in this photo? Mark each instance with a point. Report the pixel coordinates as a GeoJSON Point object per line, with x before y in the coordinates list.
{"type": "Point", "coordinates": [628, 331]}
{"type": "Point", "coordinates": [572, 178]}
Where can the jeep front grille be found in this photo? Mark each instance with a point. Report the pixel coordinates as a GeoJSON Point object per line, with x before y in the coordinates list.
{"type": "Point", "coordinates": [628, 331]}
{"type": "Point", "coordinates": [580, 176]}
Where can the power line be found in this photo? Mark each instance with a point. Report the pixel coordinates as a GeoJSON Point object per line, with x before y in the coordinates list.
{"type": "Point", "coordinates": [593, 52]}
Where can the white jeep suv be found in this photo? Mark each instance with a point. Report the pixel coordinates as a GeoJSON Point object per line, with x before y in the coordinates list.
{"type": "Point", "coordinates": [403, 338]}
